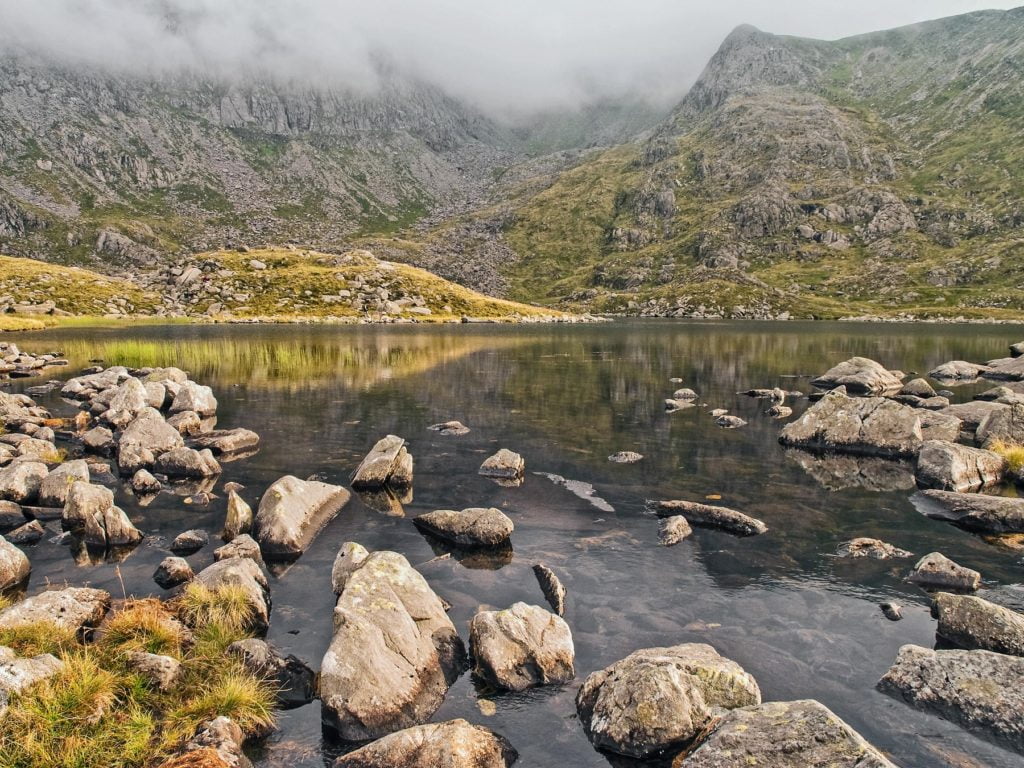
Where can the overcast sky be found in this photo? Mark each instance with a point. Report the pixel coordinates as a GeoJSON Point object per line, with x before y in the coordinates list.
{"type": "Point", "coordinates": [501, 54]}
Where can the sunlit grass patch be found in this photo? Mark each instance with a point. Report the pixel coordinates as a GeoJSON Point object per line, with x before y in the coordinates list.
{"type": "Point", "coordinates": [1013, 453]}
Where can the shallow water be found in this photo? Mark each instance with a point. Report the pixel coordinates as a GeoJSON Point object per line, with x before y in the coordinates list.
{"type": "Point", "coordinates": [804, 623]}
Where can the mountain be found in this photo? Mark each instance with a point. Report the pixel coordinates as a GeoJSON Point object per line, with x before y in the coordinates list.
{"type": "Point", "coordinates": [879, 174]}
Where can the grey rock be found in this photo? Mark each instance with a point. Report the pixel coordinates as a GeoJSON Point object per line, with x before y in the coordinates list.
{"type": "Point", "coordinates": [53, 491]}
{"type": "Point", "coordinates": [780, 412]}
{"type": "Point", "coordinates": [349, 559]}
{"type": "Point", "coordinates": [187, 423]}
{"type": "Point", "coordinates": [187, 463]}
{"type": "Point", "coordinates": [14, 566]}
{"type": "Point", "coordinates": [973, 511]}
{"type": "Point", "coordinates": [551, 586]}
{"type": "Point", "coordinates": [451, 744]}
{"type": "Point", "coordinates": [162, 672]}
{"type": "Point", "coordinates": [975, 624]}
{"type": "Point", "coordinates": [242, 545]}
{"type": "Point", "coordinates": [684, 394]}
{"type": "Point", "coordinates": [957, 370]}
{"type": "Point", "coordinates": [678, 405]}
{"type": "Point", "coordinates": [90, 511]}
{"type": "Point", "coordinates": [20, 674]}
{"type": "Point", "coordinates": [972, 415]}
{"type": "Point", "coordinates": [247, 575]}
{"type": "Point", "coordinates": [143, 482]}
{"type": "Point", "coordinates": [505, 464]}
{"type": "Point", "coordinates": [892, 611]}
{"type": "Point", "coordinates": [239, 519]}
{"type": "Point", "coordinates": [521, 647]}
{"type": "Point", "coordinates": [450, 428]}
{"type": "Point", "coordinates": [73, 608]}
{"type": "Point", "coordinates": [918, 388]}
{"type": "Point", "coordinates": [873, 548]}
{"type": "Point", "coordinates": [190, 541]}
{"type": "Point", "coordinates": [172, 572]}
{"type": "Point", "coordinates": [225, 738]}
{"type": "Point", "coordinates": [626, 457]}
{"type": "Point", "coordinates": [710, 516]}
{"type": "Point", "coordinates": [473, 527]}
{"type": "Point", "coordinates": [951, 467]}
{"type": "Point", "coordinates": [99, 440]}
{"type": "Point", "coordinates": [294, 682]}
{"type": "Point", "coordinates": [936, 571]}
{"type": "Point", "coordinates": [660, 698]}
{"type": "Point", "coordinates": [20, 482]}
{"type": "Point", "coordinates": [860, 375]}
{"type": "Point", "coordinates": [672, 530]}
{"type": "Point", "coordinates": [1005, 425]}
{"type": "Point", "coordinates": [228, 441]}
{"type": "Point", "coordinates": [730, 422]}
{"type": "Point", "coordinates": [387, 463]}
{"type": "Point", "coordinates": [30, 533]}
{"type": "Point", "coordinates": [194, 397]}
{"type": "Point", "coordinates": [292, 512]}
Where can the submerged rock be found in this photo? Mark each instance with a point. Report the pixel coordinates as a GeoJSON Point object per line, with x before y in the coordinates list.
{"type": "Point", "coordinates": [730, 422]}
{"type": "Point", "coordinates": [860, 375]}
{"type": "Point", "coordinates": [72, 608]}
{"type": "Point", "coordinates": [292, 512]}
{"type": "Point", "coordinates": [505, 464]}
{"type": "Point", "coordinates": [473, 527]}
{"type": "Point", "coordinates": [837, 472]}
{"type": "Point", "coordinates": [452, 744]}
{"type": "Point", "coordinates": [394, 651]}
{"type": "Point", "coordinates": [672, 530]}
{"type": "Point", "coordinates": [710, 516]}
{"type": "Point", "coordinates": [892, 611]}
{"type": "Point", "coordinates": [936, 571]}
{"type": "Point", "coordinates": [979, 690]}
{"type": "Point", "coordinates": [625, 457]}
{"type": "Point", "coordinates": [450, 428]}
{"type": "Point", "coordinates": [873, 548]}
{"type": "Point", "coordinates": [552, 588]}
{"type": "Point", "coordinates": [975, 624]}
{"type": "Point", "coordinates": [14, 566]}
{"type": "Point", "coordinates": [387, 463]}
{"type": "Point", "coordinates": [782, 734]}
{"type": "Point", "coordinates": [953, 467]}
{"type": "Point", "coordinates": [975, 512]}
{"type": "Point", "coordinates": [684, 394]}
{"type": "Point", "coordinates": [780, 412]}
{"type": "Point", "coordinates": [660, 698]}
{"type": "Point", "coordinates": [521, 647]}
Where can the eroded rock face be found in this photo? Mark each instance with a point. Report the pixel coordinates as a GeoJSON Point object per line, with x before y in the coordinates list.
{"type": "Point", "coordinates": [873, 548]}
{"type": "Point", "coordinates": [979, 690]}
{"type": "Point", "coordinates": [660, 698]}
{"type": "Point", "coordinates": [710, 516]}
{"type": "Point", "coordinates": [872, 426]}
{"type": "Point", "coordinates": [476, 527]}
{"type": "Point", "coordinates": [860, 375]}
{"type": "Point", "coordinates": [453, 744]}
{"type": "Point", "coordinates": [782, 734]}
{"type": "Point", "coordinates": [936, 571]}
{"type": "Point", "coordinates": [292, 512]}
{"type": "Point", "coordinates": [953, 467]}
{"type": "Point", "coordinates": [975, 624]}
{"type": "Point", "coordinates": [394, 651]}
{"type": "Point", "coordinates": [14, 566]}
{"type": "Point", "coordinates": [74, 608]}
{"type": "Point", "coordinates": [521, 647]}
{"type": "Point", "coordinates": [973, 511]}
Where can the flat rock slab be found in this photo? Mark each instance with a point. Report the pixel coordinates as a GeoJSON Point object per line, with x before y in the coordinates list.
{"type": "Point", "coordinates": [975, 512]}
{"type": "Point", "coordinates": [952, 467]}
{"type": "Point", "coordinates": [228, 441]}
{"type": "Point", "coordinates": [979, 690]}
{"type": "Point", "coordinates": [936, 571]}
{"type": "Point", "coordinates": [660, 698]}
{"type": "Point", "coordinates": [975, 624]}
{"type": "Point", "coordinates": [957, 370]}
{"type": "Point", "coordinates": [521, 647]}
{"type": "Point", "coordinates": [709, 516]}
{"type": "Point", "coordinates": [73, 608]}
{"type": "Point", "coordinates": [387, 463]}
{"type": "Point", "coordinates": [782, 734]}
{"type": "Point", "coordinates": [505, 464]}
{"type": "Point", "coordinates": [472, 528]}
{"type": "Point", "coordinates": [292, 512]}
{"type": "Point", "coordinates": [873, 548]}
{"type": "Point", "coordinates": [453, 744]}
{"type": "Point", "coordinates": [860, 375]}
{"type": "Point", "coordinates": [1005, 369]}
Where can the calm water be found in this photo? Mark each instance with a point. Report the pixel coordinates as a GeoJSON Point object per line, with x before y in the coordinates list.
{"type": "Point", "coordinates": [804, 623]}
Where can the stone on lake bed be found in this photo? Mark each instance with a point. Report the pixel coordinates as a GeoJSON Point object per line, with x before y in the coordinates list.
{"type": "Point", "coordinates": [952, 467]}
{"type": "Point", "coordinates": [292, 512]}
{"type": "Point", "coordinates": [976, 512]}
{"type": "Point", "coordinates": [936, 571]}
{"type": "Point", "coordinates": [730, 422]}
{"type": "Point", "coordinates": [451, 744]}
{"type": "Point", "coordinates": [625, 457]}
{"type": "Point", "coordinates": [892, 611]}
{"type": "Point", "coordinates": [505, 464]}
{"type": "Point", "coordinates": [521, 647]}
{"type": "Point", "coordinates": [873, 548]}
{"type": "Point", "coordinates": [677, 405]}
{"type": "Point", "coordinates": [552, 588]}
{"type": "Point", "coordinates": [661, 698]}
{"type": "Point", "coordinates": [672, 530]}
{"type": "Point", "coordinates": [979, 690]}
{"type": "Point", "coordinates": [726, 519]}
{"type": "Point", "coordinates": [473, 527]}
{"type": "Point", "coordinates": [782, 734]}
{"type": "Point", "coordinates": [450, 428]}
{"type": "Point", "coordinates": [72, 608]}
{"type": "Point", "coordinates": [975, 624]}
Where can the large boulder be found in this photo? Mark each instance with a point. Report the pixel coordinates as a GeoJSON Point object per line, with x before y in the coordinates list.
{"type": "Point", "coordinates": [979, 690]}
{"type": "Point", "coordinates": [14, 566]}
{"type": "Point", "coordinates": [187, 463]}
{"type": "Point", "coordinates": [972, 415]}
{"type": "Point", "coordinates": [248, 578]}
{"type": "Point", "coordinates": [521, 647]}
{"type": "Point", "coordinates": [873, 426]}
{"type": "Point", "coordinates": [710, 516]}
{"type": "Point", "coordinates": [957, 370]}
{"type": "Point", "coordinates": [147, 437]}
{"type": "Point", "coordinates": [1005, 369]}
{"type": "Point", "coordinates": [20, 482]}
{"type": "Point", "coordinates": [782, 734]}
{"type": "Point", "coordinates": [471, 528]}
{"type": "Point", "coordinates": [861, 376]}
{"type": "Point", "coordinates": [72, 608]}
{"type": "Point", "coordinates": [452, 744]}
{"type": "Point", "coordinates": [90, 511]}
{"type": "Point", "coordinates": [952, 467]}
{"type": "Point", "coordinates": [194, 397]}
{"type": "Point", "coordinates": [975, 512]}
{"type": "Point", "coordinates": [975, 624]}
{"type": "Point", "coordinates": [292, 512]}
{"type": "Point", "coordinates": [661, 698]}
{"type": "Point", "coordinates": [53, 491]}
{"type": "Point", "coordinates": [387, 464]}
{"type": "Point", "coordinates": [394, 651]}
{"type": "Point", "coordinates": [1003, 425]}
{"type": "Point", "coordinates": [130, 397]}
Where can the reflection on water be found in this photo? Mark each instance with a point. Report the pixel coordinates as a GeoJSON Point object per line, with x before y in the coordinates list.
{"type": "Point", "coordinates": [804, 622]}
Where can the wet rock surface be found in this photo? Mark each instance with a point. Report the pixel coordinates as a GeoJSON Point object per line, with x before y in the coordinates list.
{"type": "Point", "coordinates": [554, 592]}
{"type": "Point", "coordinates": [872, 548]}
{"type": "Point", "coordinates": [976, 512]}
{"type": "Point", "coordinates": [294, 682]}
{"type": "Point", "coordinates": [672, 530]}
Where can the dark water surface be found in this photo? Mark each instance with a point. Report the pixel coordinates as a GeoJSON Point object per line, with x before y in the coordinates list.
{"type": "Point", "coordinates": [804, 623]}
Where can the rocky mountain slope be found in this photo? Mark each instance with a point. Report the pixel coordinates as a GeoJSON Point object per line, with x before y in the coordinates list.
{"type": "Point", "coordinates": [879, 174]}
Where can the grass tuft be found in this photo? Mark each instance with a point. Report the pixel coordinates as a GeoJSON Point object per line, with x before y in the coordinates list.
{"type": "Point", "coordinates": [225, 611]}
{"type": "Point", "coordinates": [1013, 453]}
{"type": "Point", "coordinates": [146, 625]}
{"type": "Point", "coordinates": [42, 637]}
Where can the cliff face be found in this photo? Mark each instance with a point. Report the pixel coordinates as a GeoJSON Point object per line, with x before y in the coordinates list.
{"type": "Point", "coordinates": [881, 173]}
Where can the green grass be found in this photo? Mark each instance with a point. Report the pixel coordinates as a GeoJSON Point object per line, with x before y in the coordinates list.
{"type": "Point", "coordinates": [1013, 453]}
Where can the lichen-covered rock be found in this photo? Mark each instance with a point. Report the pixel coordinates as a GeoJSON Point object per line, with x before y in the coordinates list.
{"type": "Point", "coordinates": [979, 690]}
{"type": "Point", "coordinates": [860, 375]}
{"type": "Point", "coordinates": [292, 512]}
{"type": "Point", "coordinates": [247, 575]}
{"type": "Point", "coordinates": [394, 651]}
{"type": "Point", "coordinates": [551, 586]}
{"type": "Point", "coordinates": [73, 608]}
{"type": "Point", "coordinates": [17, 674]}
{"type": "Point", "coordinates": [452, 744]}
{"type": "Point", "coordinates": [521, 647]}
{"type": "Point", "coordinates": [473, 527]}
{"type": "Point", "coordinates": [710, 516]}
{"type": "Point", "coordinates": [873, 548]}
{"type": "Point", "coordinates": [505, 465]}
{"type": "Point", "coordinates": [294, 682]}
{"type": "Point", "coordinates": [660, 698]}
{"type": "Point", "coordinates": [976, 512]}
{"type": "Point", "coordinates": [20, 482]}
{"type": "Point", "coordinates": [873, 426]}
{"type": "Point", "coordinates": [387, 464]}
{"type": "Point", "coordinates": [672, 530]}
{"type": "Point", "coordinates": [14, 566]}
{"type": "Point", "coordinates": [975, 624]}
{"type": "Point", "coordinates": [782, 734]}
{"type": "Point", "coordinates": [53, 491]}
{"type": "Point", "coordinates": [936, 571]}
{"type": "Point", "coordinates": [952, 467]}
